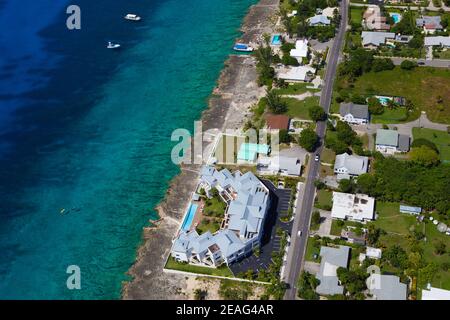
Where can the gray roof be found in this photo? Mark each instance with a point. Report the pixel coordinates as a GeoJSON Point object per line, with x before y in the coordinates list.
{"type": "Point", "coordinates": [389, 287]}
{"type": "Point", "coordinates": [376, 38]}
{"type": "Point", "coordinates": [403, 143]}
{"type": "Point", "coordinates": [319, 19]}
{"type": "Point", "coordinates": [434, 22]}
{"type": "Point", "coordinates": [291, 166]}
{"type": "Point", "coordinates": [437, 41]}
{"type": "Point", "coordinates": [360, 111]}
{"type": "Point", "coordinates": [332, 258]}
{"type": "Point", "coordinates": [387, 137]}
{"type": "Point", "coordinates": [355, 165]}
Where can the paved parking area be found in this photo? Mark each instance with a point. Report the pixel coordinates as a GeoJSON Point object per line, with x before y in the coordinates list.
{"type": "Point", "coordinates": [271, 241]}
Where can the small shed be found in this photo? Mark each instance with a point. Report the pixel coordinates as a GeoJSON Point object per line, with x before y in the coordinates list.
{"type": "Point", "coordinates": [410, 209]}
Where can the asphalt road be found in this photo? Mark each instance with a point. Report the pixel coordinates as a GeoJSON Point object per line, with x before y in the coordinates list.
{"type": "Point", "coordinates": [303, 212]}
{"type": "Point", "coordinates": [437, 63]}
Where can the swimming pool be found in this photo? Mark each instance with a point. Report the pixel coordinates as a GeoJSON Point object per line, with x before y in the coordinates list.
{"type": "Point", "coordinates": [276, 39]}
{"type": "Point", "coordinates": [189, 217]}
{"type": "Point", "coordinates": [384, 100]}
{"type": "Point", "coordinates": [396, 16]}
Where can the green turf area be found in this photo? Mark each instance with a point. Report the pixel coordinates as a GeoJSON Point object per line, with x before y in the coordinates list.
{"type": "Point", "coordinates": [336, 226]}
{"type": "Point", "coordinates": [324, 199]}
{"type": "Point", "coordinates": [356, 14]}
{"type": "Point", "coordinates": [391, 219]}
{"type": "Point", "coordinates": [440, 138]}
{"type": "Point", "coordinates": [296, 88]}
{"type": "Point", "coordinates": [311, 249]}
{"type": "Point", "coordinates": [300, 108]}
{"type": "Point", "coordinates": [426, 87]}
{"type": "Point", "coordinates": [396, 115]}
{"type": "Point", "coordinates": [441, 278]}
{"type": "Point", "coordinates": [222, 271]}
{"type": "Point", "coordinates": [327, 156]}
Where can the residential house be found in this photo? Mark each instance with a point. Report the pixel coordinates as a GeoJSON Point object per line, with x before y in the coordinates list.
{"type": "Point", "coordinates": [277, 122]}
{"type": "Point", "coordinates": [390, 141]}
{"type": "Point", "coordinates": [329, 12]}
{"type": "Point", "coordinates": [354, 113]}
{"type": "Point", "coordinates": [358, 207]}
{"type": "Point", "coordinates": [372, 40]}
{"type": "Point", "coordinates": [410, 210]}
{"type": "Point", "coordinates": [247, 201]}
{"type": "Point", "coordinates": [286, 166]}
{"type": "Point", "coordinates": [429, 24]}
{"type": "Point", "coordinates": [373, 20]}
{"type": "Point", "coordinates": [432, 293]}
{"type": "Point", "coordinates": [373, 253]}
{"type": "Point", "coordinates": [346, 166]}
{"type": "Point", "coordinates": [331, 260]}
{"type": "Point", "coordinates": [319, 20]}
{"type": "Point", "coordinates": [301, 50]}
{"type": "Point", "coordinates": [439, 41]}
{"type": "Point", "coordinates": [298, 74]}
{"type": "Point", "coordinates": [386, 287]}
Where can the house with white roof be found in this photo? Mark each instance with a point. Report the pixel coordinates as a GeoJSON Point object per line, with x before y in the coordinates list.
{"type": "Point", "coordinates": [329, 11]}
{"type": "Point", "coordinates": [297, 74]}
{"type": "Point", "coordinates": [429, 24]}
{"type": "Point", "coordinates": [358, 207]}
{"type": "Point", "coordinates": [386, 287]}
{"type": "Point", "coordinates": [301, 49]}
{"type": "Point", "coordinates": [346, 165]}
{"type": "Point", "coordinates": [319, 20]}
{"type": "Point", "coordinates": [354, 113]}
{"type": "Point", "coordinates": [432, 293]}
{"type": "Point", "coordinates": [438, 41]}
{"type": "Point", "coordinates": [331, 260]}
{"type": "Point", "coordinates": [247, 201]}
{"type": "Point", "coordinates": [372, 40]}
{"type": "Point", "coordinates": [286, 166]}
{"type": "Point", "coordinates": [390, 141]}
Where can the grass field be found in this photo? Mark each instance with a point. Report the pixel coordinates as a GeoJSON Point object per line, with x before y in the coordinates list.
{"type": "Point", "coordinates": [440, 138]}
{"type": "Point", "coordinates": [311, 250]}
{"type": "Point", "coordinates": [356, 14]}
{"type": "Point", "coordinates": [324, 199]}
{"type": "Point", "coordinates": [300, 108]}
{"type": "Point", "coordinates": [423, 86]}
{"type": "Point", "coordinates": [336, 229]}
{"type": "Point", "coordinates": [327, 156]}
{"type": "Point", "coordinates": [295, 88]}
{"type": "Point", "coordinates": [396, 115]}
{"type": "Point", "coordinates": [223, 270]}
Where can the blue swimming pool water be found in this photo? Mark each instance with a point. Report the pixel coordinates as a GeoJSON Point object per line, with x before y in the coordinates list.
{"type": "Point", "coordinates": [384, 100]}
{"type": "Point", "coordinates": [189, 217]}
{"type": "Point", "coordinates": [396, 17]}
{"type": "Point", "coordinates": [276, 40]}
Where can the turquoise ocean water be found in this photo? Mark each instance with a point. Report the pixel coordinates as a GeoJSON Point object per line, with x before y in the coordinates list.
{"type": "Point", "coordinates": [88, 128]}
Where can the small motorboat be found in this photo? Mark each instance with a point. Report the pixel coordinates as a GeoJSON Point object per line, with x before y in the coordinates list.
{"type": "Point", "coordinates": [242, 47]}
{"type": "Point", "coordinates": [132, 17]}
{"type": "Point", "coordinates": [112, 45]}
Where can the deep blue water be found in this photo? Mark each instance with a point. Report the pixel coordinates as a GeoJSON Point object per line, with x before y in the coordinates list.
{"type": "Point", "coordinates": [89, 128]}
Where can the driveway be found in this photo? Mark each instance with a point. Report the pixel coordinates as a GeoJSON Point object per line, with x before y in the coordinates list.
{"type": "Point", "coordinates": [325, 223]}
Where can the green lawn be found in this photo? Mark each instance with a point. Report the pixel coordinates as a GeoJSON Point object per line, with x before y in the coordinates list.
{"type": "Point", "coordinates": [391, 220]}
{"type": "Point", "coordinates": [311, 250]}
{"type": "Point", "coordinates": [336, 229]}
{"type": "Point", "coordinates": [324, 199]}
{"type": "Point", "coordinates": [223, 270]}
{"type": "Point", "coordinates": [327, 156]}
{"type": "Point", "coordinates": [295, 88]}
{"type": "Point", "coordinates": [300, 108]}
{"type": "Point", "coordinates": [356, 14]}
{"type": "Point", "coordinates": [440, 138]}
{"type": "Point", "coordinates": [423, 86]}
{"type": "Point", "coordinates": [395, 115]}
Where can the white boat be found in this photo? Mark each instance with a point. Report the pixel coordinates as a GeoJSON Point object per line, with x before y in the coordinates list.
{"type": "Point", "coordinates": [133, 17]}
{"type": "Point", "coordinates": [112, 45]}
{"type": "Point", "coordinates": [242, 47]}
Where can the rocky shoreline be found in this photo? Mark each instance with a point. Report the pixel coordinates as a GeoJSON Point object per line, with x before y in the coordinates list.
{"type": "Point", "coordinates": [229, 106]}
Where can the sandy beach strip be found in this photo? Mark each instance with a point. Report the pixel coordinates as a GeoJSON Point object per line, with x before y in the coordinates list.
{"type": "Point", "coordinates": [229, 106]}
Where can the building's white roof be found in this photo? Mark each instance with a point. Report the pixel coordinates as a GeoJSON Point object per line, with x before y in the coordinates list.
{"type": "Point", "coordinates": [301, 49]}
{"type": "Point", "coordinates": [297, 73]}
{"type": "Point", "coordinates": [373, 253]}
{"type": "Point", "coordinates": [353, 206]}
{"type": "Point", "coordinates": [435, 294]}
{"type": "Point", "coordinates": [386, 287]}
{"type": "Point", "coordinates": [437, 41]}
{"type": "Point", "coordinates": [354, 165]}
{"type": "Point", "coordinates": [376, 38]}
{"type": "Point", "coordinates": [329, 11]}
{"type": "Point", "coordinates": [288, 165]}
{"type": "Point", "coordinates": [319, 19]}
{"type": "Point", "coordinates": [331, 260]}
